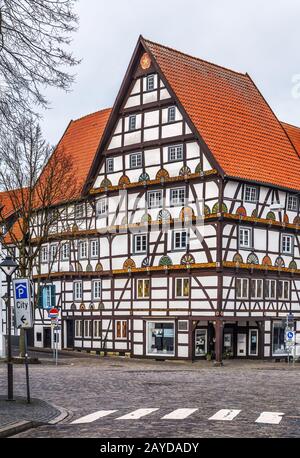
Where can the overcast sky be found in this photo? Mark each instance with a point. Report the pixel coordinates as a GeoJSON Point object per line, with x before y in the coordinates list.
{"type": "Point", "coordinates": [258, 37]}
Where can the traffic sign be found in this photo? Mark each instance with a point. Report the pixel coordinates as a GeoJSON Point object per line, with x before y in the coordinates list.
{"type": "Point", "coordinates": [290, 335]}
{"type": "Point", "coordinates": [53, 313]}
{"type": "Point", "coordinates": [22, 300]}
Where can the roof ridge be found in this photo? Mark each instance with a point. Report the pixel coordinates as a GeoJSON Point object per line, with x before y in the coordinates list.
{"type": "Point", "coordinates": [194, 57]}
{"type": "Point", "coordinates": [90, 114]}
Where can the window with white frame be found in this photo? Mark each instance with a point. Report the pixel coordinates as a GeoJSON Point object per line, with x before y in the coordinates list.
{"type": "Point", "coordinates": [53, 252]}
{"type": "Point", "coordinates": [270, 289]}
{"type": "Point", "coordinates": [175, 153]}
{"type": "Point", "coordinates": [96, 329]}
{"type": "Point", "coordinates": [87, 328]}
{"type": "Point", "coordinates": [44, 254]}
{"type": "Point", "coordinates": [132, 122]}
{"type": "Point", "coordinates": [171, 114]}
{"type": "Point", "coordinates": [79, 211]}
{"type": "Point", "coordinates": [94, 244]}
{"type": "Point", "coordinates": [102, 207]}
{"type": "Point", "coordinates": [83, 252]}
{"type": "Point", "coordinates": [78, 328]}
{"type": "Point", "coordinates": [96, 289]}
{"type": "Point", "coordinates": [65, 251]}
{"type": "Point", "coordinates": [143, 288]}
{"type": "Point", "coordinates": [77, 290]}
{"type": "Point", "coordinates": [242, 288]}
{"type": "Point", "coordinates": [135, 160]}
{"type": "Point", "coordinates": [177, 197]}
{"type": "Point", "coordinates": [182, 287]}
{"type": "Point", "coordinates": [154, 199]}
{"type": "Point", "coordinates": [109, 165]}
{"type": "Point", "coordinates": [250, 193]}
{"type": "Point", "coordinates": [121, 329]}
{"type": "Point", "coordinates": [244, 237]}
{"type": "Point", "coordinates": [292, 203]}
{"type": "Point", "coordinates": [256, 288]}
{"type": "Point", "coordinates": [284, 290]}
{"type": "Point", "coordinates": [150, 83]}
{"type": "Point", "coordinates": [180, 239]}
{"type": "Point", "coordinates": [140, 243]}
{"type": "Point", "coordinates": [287, 242]}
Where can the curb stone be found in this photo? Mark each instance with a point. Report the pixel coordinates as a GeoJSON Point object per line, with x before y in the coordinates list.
{"type": "Point", "coordinates": [12, 429]}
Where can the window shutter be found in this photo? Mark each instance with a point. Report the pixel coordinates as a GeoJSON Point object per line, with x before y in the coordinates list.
{"type": "Point", "coordinates": [40, 297]}
{"type": "Point", "coordinates": [53, 296]}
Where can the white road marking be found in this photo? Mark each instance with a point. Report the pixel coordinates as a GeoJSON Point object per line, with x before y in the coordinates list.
{"type": "Point", "coordinates": [225, 414]}
{"type": "Point", "coordinates": [93, 416]}
{"type": "Point", "coordinates": [136, 414]}
{"type": "Point", "coordinates": [179, 414]}
{"type": "Point", "coordinates": [272, 418]}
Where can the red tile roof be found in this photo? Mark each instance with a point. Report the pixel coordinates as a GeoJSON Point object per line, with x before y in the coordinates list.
{"type": "Point", "coordinates": [233, 118]}
{"type": "Point", "coordinates": [80, 141]}
{"type": "Point", "coordinates": [294, 134]}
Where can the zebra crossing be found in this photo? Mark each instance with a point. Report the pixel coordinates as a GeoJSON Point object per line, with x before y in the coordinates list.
{"type": "Point", "coordinates": [273, 418]}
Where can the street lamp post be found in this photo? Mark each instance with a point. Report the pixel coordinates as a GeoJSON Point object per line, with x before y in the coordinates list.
{"type": "Point", "coordinates": [8, 266]}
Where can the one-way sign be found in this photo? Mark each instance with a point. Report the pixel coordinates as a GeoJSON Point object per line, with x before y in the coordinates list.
{"type": "Point", "coordinates": [23, 308]}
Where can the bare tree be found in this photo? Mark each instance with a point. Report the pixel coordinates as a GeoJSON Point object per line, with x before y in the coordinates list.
{"type": "Point", "coordinates": [36, 182]}
{"type": "Point", "coordinates": [34, 35]}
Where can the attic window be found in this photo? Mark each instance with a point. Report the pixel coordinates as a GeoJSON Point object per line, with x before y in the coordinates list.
{"type": "Point", "coordinates": [150, 83]}
{"type": "Point", "coordinates": [132, 122]}
{"type": "Point", "coordinates": [171, 114]}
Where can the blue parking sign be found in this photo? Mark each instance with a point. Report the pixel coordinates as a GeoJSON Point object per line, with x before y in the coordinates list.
{"type": "Point", "coordinates": [21, 290]}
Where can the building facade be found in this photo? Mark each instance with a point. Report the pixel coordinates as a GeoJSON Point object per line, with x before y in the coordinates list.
{"type": "Point", "coordinates": [173, 249]}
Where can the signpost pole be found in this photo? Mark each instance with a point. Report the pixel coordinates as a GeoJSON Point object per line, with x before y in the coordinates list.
{"type": "Point", "coordinates": [26, 366]}
{"type": "Point", "coordinates": [56, 343]}
{"type": "Point", "coordinates": [10, 390]}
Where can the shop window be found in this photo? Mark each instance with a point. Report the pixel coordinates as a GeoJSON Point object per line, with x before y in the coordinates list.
{"type": "Point", "coordinates": [200, 342]}
{"type": "Point", "coordinates": [160, 338]}
{"type": "Point", "coordinates": [278, 343]}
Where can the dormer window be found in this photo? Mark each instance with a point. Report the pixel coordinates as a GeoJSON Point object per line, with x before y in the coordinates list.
{"type": "Point", "coordinates": [150, 83]}
{"type": "Point", "coordinates": [171, 114]}
{"type": "Point", "coordinates": [132, 122]}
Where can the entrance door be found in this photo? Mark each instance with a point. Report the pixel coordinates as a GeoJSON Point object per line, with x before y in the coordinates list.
{"type": "Point", "coordinates": [241, 344]}
{"type": "Point", "coordinates": [253, 342]}
{"type": "Point", "coordinates": [200, 342]}
{"type": "Point", "coordinates": [70, 333]}
{"type": "Point", "coordinates": [47, 337]}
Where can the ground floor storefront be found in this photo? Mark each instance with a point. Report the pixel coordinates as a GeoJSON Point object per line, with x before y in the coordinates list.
{"type": "Point", "coordinates": [158, 337]}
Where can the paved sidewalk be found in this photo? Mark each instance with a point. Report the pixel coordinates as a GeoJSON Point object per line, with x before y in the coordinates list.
{"type": "Point", "coordinates": [18, 415]}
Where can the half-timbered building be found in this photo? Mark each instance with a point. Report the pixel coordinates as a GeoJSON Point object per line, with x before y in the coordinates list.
{"type": "Point", "coordinates": [171, 248]}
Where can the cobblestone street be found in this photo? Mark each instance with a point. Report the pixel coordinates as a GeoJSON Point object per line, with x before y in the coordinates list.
{"type": "Point", "coordinates": [84, 386]}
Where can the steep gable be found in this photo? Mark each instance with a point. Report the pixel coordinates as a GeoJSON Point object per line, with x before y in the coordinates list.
{"type": "Point", "coordinates": [233, 118]}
